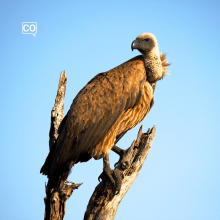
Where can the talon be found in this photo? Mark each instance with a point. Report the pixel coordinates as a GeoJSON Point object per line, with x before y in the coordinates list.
{"type": "Point", "coordinates": [116, 164]}
{"type": "Point", "coordinates": [100, 178]}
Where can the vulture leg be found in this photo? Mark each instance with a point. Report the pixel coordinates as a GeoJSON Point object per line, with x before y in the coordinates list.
{"type": "Point", "coordinates": [113, 176]}
{"type": "Point", "coordinates": [107, 170]}
{"type": "Point", "coordinates": [118, 151]}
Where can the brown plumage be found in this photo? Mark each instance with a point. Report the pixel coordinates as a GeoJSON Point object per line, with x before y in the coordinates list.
{"type": "Point", "coordinates": [109, 105]}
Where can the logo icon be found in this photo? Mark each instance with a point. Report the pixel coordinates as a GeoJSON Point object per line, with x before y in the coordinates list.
{"type": "Point", "coordinates": [29, 28]}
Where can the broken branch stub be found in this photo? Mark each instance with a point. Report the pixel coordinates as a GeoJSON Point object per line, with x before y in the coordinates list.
{"type": "Point", "coordinates": [58, 110]}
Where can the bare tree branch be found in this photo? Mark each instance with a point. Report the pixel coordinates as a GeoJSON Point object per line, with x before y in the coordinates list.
{"type": "Point", "coordinates": [58, 110]}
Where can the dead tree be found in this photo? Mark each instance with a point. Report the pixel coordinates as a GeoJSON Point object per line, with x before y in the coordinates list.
{"type": "Point", "coordinates": [103, 204]}
{"type": "Point", "coordinates": [55, 201]}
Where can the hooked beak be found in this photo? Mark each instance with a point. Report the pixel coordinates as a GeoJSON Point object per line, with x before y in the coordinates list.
{"type": "Point", "coordinates": [135, 44]}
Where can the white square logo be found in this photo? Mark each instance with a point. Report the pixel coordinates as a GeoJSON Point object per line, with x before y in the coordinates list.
{"type": "Point", "coordinates": [29, 28]}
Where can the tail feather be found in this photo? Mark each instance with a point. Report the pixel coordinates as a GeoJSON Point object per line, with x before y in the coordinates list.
{"type": "Point", "coordinates": [55, 174]}
{"type": "Point", "coordinates": [49, 165]}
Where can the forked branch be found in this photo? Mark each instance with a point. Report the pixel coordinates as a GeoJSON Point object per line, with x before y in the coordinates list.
{"type": "Point", "coordinates": [103, 204]}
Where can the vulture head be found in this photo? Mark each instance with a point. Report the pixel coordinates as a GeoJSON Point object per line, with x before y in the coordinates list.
{"type": "Point", "coordinates": [155, 63]}
{"type": "Point", "coordinates": [146, 43]}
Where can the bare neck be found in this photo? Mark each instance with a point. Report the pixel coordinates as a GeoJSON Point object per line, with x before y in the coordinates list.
{"type": "Point", "coordinates": [153, 66]}
{"type": "Point", "coordinates": [153, 54]}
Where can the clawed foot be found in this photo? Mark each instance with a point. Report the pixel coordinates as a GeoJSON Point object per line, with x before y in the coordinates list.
{"type": "Point", "coordinates": [113, 175]}
{"type": "Point", "coordinates": [121, 154]}
{"type": "Point", "coordinates": [107, 173]}
{"type": "Point", "coordinates": [115, 179]}
{"type": "Point", "coordinates": [123, 160]}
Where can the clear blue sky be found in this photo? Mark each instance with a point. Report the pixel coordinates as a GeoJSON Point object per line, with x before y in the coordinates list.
{"type": "Point", "coordinates": [180, 178]}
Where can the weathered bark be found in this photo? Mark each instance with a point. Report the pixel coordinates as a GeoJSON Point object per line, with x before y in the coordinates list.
{"type": "Point", "coordinates": [55, 201]}
{"type": "Point", "coordinates": [103, 204]}
{"type": "Point", "coordinates": [57, 110]}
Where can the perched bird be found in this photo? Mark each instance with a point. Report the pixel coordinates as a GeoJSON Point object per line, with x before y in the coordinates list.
{"type": "Point", "coordinates": [110, 104]}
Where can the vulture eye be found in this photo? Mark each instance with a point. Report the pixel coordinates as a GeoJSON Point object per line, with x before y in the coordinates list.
{"type": "Point", "coordinates": [147, 39]}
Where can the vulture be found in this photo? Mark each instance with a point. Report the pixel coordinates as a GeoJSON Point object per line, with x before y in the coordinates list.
{"type": "Point", "coordinates": [109, 105]}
